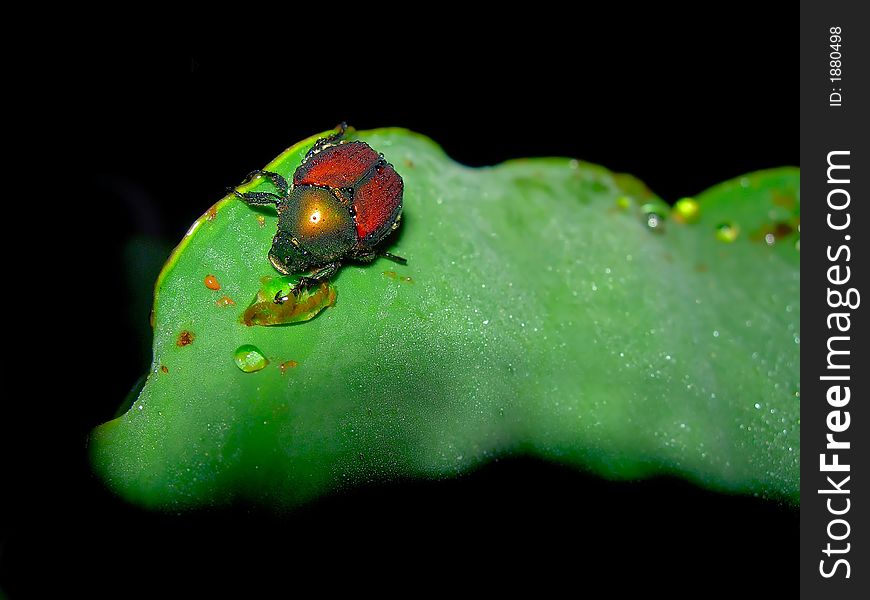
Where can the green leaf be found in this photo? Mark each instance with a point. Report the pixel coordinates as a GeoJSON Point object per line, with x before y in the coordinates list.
{"type": "Point", "coordinates": [548, 307]}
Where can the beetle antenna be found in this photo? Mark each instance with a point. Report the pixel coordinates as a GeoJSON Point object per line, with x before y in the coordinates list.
{"type": "Point", "coordinates": [342, 129]}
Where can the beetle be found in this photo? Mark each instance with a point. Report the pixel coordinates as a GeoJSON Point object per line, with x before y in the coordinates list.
{"type": "Point", "coordinates": [343, 200]}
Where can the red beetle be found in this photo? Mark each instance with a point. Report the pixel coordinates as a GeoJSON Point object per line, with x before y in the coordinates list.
{"type": "Point", "coordinates": [343, 201]}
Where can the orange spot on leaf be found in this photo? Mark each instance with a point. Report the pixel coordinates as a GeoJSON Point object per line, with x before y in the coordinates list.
{"type": "Point", "coordinates": [211, 282]}
{"type": "Point", "coordinates": [225, 301]}
{"type": "Point", "coordinates": [185, 338]}
{"type": "Point", "coordinates": [290, 364]}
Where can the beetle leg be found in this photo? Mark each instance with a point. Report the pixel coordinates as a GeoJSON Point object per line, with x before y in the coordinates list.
{"type": "Point", "coordinates": [256, 198]}
{"type": "Point", "coordinates": [327, 141]}
{"type": "Point", "coordinates": [316, 277]}
{"type": "Point", "coordinates": [369, 255]}
{"type": "Point", "coordinates": [277, 179]}
{"type": "Point", "coordinates": [365, 256]}
{"type": "Point", "coordinates": [393, 257]}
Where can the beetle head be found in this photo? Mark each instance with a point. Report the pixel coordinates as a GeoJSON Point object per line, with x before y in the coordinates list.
{"type": "Point", "coordinates": [287, 258]}
{"type": "Point", "coordinates": [314, 229]}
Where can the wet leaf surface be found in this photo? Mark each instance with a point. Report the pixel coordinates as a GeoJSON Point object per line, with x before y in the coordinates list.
{"type": "Point", "coordinates": [556, 309]}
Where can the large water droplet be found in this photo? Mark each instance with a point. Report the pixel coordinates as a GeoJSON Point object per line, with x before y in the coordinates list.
{"type": "Point", "coordinates": [276, 304]}
{"type": "Point", "coordinates": [249, 358]}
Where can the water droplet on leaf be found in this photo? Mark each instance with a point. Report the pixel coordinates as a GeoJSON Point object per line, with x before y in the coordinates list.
{"type": "Point", "coordinates": [727, 232]}
{"type": "Point", "coordinates": [653, 216]}
{"type": "Point", "coordinates": [293, 308]}
{"type": "Point", "coordinates": [687, 210]}
{"type": "Point", "coordinates": [249, 358]}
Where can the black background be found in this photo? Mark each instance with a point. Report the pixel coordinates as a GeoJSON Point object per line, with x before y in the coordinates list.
{"type": "Point", "coordinates": [155, 134]}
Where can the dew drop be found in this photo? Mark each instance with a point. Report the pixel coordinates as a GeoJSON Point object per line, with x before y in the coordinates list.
{"type": "Point", "coordinates": [652, 217]}
{"type": "Point", "coordinates": [727, 232]}
{"type": "Point", "coordinates": [687, 210]}
{"type": "Point", "coordinates": [249, 358]}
